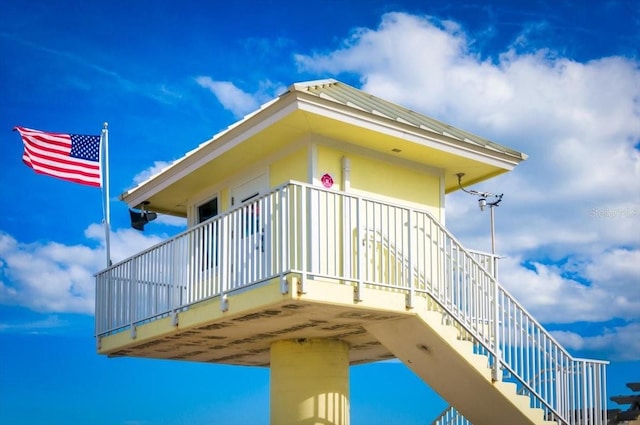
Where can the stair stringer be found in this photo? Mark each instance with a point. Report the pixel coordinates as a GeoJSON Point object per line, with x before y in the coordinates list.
{"type": "Point", "coordinates": [434, 352]}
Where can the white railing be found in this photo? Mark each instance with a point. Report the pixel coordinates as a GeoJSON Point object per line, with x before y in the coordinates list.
{"type": "Point", "coordinates": [354, 240]}
{"type": "Point", "coordinates": [584, 382]}
{"type": "Point", "coordinates": [486, 260]}
{"type": "Point", "coordinates": [450, 416]}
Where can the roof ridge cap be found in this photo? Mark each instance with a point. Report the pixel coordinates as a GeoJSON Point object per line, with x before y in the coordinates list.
{"type": "Point", "coordinates": [303, 85]}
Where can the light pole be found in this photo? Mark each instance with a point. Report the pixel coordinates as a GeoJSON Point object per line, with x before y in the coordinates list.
{"type": "Point", "coordinates": [483, 203]}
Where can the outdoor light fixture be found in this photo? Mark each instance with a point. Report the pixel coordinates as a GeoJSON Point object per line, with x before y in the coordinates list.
{"type": "Point", "coordinates": [139, 219]}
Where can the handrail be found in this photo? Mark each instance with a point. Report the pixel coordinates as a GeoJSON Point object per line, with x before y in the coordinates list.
{"type": "Point", "coordinates": [566, 408]}
{"type": "Point", "coordinates": [315, 232]}
{"type": "Point", "coordinates": [450, 416]}
{"type": "Point", "coordinates": [195, 264]}
{"type": "Point", "coordinates": [486, 260]}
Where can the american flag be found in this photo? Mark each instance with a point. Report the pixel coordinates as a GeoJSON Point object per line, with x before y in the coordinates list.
{"type": "Point", "coordinates": [71, 157]}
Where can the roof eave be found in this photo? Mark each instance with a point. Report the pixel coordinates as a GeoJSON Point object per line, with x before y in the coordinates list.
{"type": "Point", "coordinates": [210, 149]}
{"type": "Point", "coordinates": [318, 105]}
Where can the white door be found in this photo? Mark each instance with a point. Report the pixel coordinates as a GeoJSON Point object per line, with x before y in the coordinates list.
{"type": "Point", "coordinates": [248, 261]}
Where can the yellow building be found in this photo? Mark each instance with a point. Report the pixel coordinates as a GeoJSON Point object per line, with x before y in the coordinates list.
{"type": "Point", "coordinates": [316, 241]}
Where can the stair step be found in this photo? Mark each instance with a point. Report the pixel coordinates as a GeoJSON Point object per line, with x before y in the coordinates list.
{"type": "Point", "coordinates": [522, 401]}
{"type": "Point", "coordinates": [480, 363]}
{"type": "Point", "coordinates": [464, 344]}
{"type": "Point", "coordinates": [434, 318]}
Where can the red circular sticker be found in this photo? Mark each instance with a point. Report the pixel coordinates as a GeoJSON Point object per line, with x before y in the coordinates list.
{"type": "Point", "coordinates": [327, 180]}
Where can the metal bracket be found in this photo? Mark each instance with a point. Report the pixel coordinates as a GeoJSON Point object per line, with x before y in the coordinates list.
{"type": "Point", "coordinates": [357, 296]}
{"type": "Point", "coordinates": [134, 331]}
{"type": "Point", "coordinates": [409, 300]}
{"type": "Point", "coordinates": [299, 285]}
{"type": "Point", "coordinates": [284, 285]}
{"type": "Point", "coordinates": [494, 374]}
{"type": "Point", "coordinates": [495, 368]}
{"type": "Point", "coordinates": [224, 303]}
{"type": "Point", "coordinates": [174, 318]}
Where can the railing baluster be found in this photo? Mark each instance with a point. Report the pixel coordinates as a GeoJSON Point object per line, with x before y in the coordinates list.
{"type": "Point", "coordinates": [305, 202]}
{"type": "Point", "coordinates": [410, 268]}
{"type": "Point", "coordinates": [360, 249]}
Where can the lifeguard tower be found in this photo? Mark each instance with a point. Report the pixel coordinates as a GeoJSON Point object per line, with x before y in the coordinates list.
{"type": "Point", "coordinates": [316, 240]}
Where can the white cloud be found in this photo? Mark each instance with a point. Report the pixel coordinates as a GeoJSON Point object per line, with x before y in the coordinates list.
{"type": "Point", "coordinates": [156, 168]}
{"type": "Point", "coordinates": [50, 322]}
{"type": "Point", "coordinates": [556, 294]}
{"type": "Point", "coordinates": [52, 277]}
{"type": "Point", "coordinates": [123, 242]}
{"type": "Point", "coordinates": [171, 220]}
{"type": "Point", "coordinates": [622, 342]}
{"type": "Point", "coordinates": [230, 96]}
{"type": "Point", "coordinates": [47, 277]}
{"type": "Point", "coordinates": [235, 99]}
{"type": "Point", "coordinates": [570, 219]}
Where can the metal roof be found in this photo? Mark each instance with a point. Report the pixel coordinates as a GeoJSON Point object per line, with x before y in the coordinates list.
{"type": "Point", "coordinates": [346, 95]}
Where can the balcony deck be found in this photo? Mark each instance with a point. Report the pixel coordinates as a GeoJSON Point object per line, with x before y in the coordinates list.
{"type": "Point", "coordinates": [328, 264]}
{"type": "Point", "coordinates": [242, 334]}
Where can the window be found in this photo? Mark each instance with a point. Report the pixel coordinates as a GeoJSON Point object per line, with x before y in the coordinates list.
{"type": "Point", "coordinates": [209, 236]}
{"type": "Point", "coordinates": [207, 210]}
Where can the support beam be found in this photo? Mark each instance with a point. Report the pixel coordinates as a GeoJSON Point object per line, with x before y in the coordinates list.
{"type": "Point", "coordinates": [309, 382]}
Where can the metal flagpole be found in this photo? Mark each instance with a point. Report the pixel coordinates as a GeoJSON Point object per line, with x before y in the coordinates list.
{"type": "Point", "coordinates": [105, 186]}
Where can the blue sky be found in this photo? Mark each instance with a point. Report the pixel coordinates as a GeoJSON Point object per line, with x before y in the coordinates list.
{"type": "Point", "coordinates": [557, 81]}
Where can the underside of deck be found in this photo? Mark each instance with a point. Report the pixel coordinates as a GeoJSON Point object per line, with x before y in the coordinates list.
{"type": "Point", "coordinates": [256, 317]}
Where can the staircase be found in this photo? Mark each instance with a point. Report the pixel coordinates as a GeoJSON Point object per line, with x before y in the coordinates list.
{"type": "Point", "coordinates": [436, 353]}
{"type": "Point", "coordinates": [464, 334]}
{"type": "Point", "coordinates": [472, 341]}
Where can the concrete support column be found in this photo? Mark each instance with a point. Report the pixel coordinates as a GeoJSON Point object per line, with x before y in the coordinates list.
{"type": "Point", "coordinates": [309, 382]}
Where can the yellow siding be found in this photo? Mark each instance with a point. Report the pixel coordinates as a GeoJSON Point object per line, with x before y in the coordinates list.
{"type": "Point", "coordinates": [223, 200]}
{"type": "Point", "coordinates": [290, 167]}
{"type": "Point", "coordinates": [330, 162]}
{"type": "Point", "coordinates": [387, 179]}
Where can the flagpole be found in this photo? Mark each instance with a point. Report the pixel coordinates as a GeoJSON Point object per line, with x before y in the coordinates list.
{"type": "Point", "coordinates": [105, 186]}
